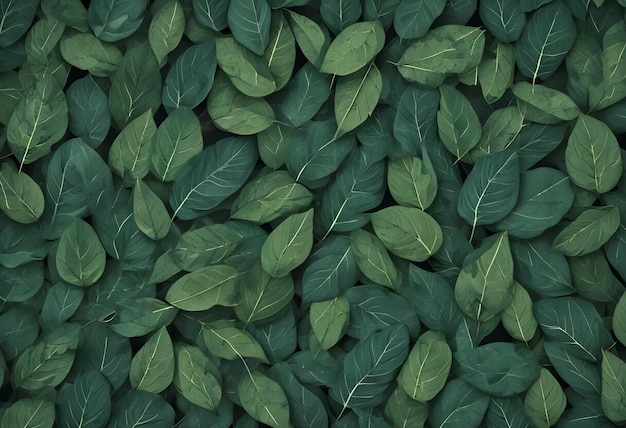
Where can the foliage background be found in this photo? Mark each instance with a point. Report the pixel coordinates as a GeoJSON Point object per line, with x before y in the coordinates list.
{"type": "Point", "coordinates": [312, 213]}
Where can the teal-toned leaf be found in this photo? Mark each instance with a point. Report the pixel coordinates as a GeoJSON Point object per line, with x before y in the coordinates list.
{"type": "Point", "coordinates": [403, 411]}
{"type": "Point", "coordinates": [205, 246]}
{"type": "Point", "coordinates": [495, 71]}
{"type": "Point", "coordinates": [281, 50]}
{"type": "Point", "coordinates": [38, 121]}
{"type": "Point", "coordinates": [381, 10]}
{"type": "Point", "coordinates": [458, 405]}
{"type": "Point", "coordinates": [490, 191]}
{"type": "Point", "coordinates": [584, 414]}
{"type": "Point", "coordinates": [588, 232]}
{"type": "Point", "coordinates": [130, 152]}
{"type": "Point", "coordinates": [278, 338]}
{"type": "Point", "coordinates": [619, 316]}
{"type": "Point", "coordinates": [85, 51]}
{"type": "Point", "coordinates": [506, 411]}
{"type": "Point", "coordinates": [43, 37]}
{"type": "Point", "coordinates": [329, 320]}
{"type": "Point", "coordinates": [573, 322]}
{"type": "Point", "coordinates": [288, 245]}
{"type": "Point", "coordinates": [498, 369]}
{"type": "Point", "coordinates": [142, 316]}
{"type": "Point", "coordinates": [89, 115]}
{"type": "Point", "coordinates": [204, 288]}
{"type": "Point", "coordinates": [376, 134]}
{"type": "Point", "coordinates": [413, 18]}
{"type": "Point", "coordinates": [264, 399]}
{"type": "Point", "coordinates": [166, 30]}
{"type": "Point", "coordinates": [582, 375]}
{"type": "Point", "coordinates": [412, 181]}
{"type": "Point", "coordinates": [80, 257]}
{"type": "Point", "coordinates": [534, 141]}
{"type": "Point", "coordinates": [505, 19]}
{"type": "Point", "coordinates": [415, 119]}
{"type": "Point", "coordinates": [138, 408]}
{"type": "Point", "coordinates": [21, 283]}
{"type": "Point", "coordinates": [62, 301]}
{"type": "Point", "coordinates": [86, 401]}
{"type": "Point", "coordinates": [312, 38]}
{"type": "Point", "coordinates": [613, 62]}
{"type": "Point", "coordinates": [409, 233]}
{"type": "Point", "coordinates": [353, 48]}
{"type": "Point", "coordinates": [249, 21]}
{"type": "Point", "coordinates": [545, 41]}
{"type": "Point", "coordinates": [149, 212]}
{"type": "Point", "coordinates": [135, 85]}
{"type": "Point", "coordinates": [592, 157]}
{"type": "Point", "coordinates": [370, 367]}
{"type": "Point", "coordinates": [356, 96]}
{"type": "Point", "coordinates": [518, 318]}
{"type": "Point", "coordinates": [11, 92]}
{"type": "Point", "coordinates": [19, 329]}
{"type": "Point", "coordinates": [373, 259]}
{"type": "Point", "coordinates": [195, 377]}
{"type": "Point", "coordinates": [113, 20]}
{"type": "Point", "coordinates": [545, 401]}
{"type": "Point", "coordinates": [152, 367]}
{"type": "Point", "coordinates": [445, 50]}
{"type": "Point", "coordinates": [337, 15]}
{"type": "Point", "coordinates": [16, 18]}
{"type": "Point", "coordinates": [191, 77]}
{"type": "Point", "coordinates": [212, 176]}
{"type": "Point", "coordinates": [485, 285]}
{"type": "Point", "coordinates": [22, 199]}
{"type": "Point", "coordinates": [457, 122]}
{"type": "Point", "coordinates": [613, 387]}
{"type": "Point", "coordinates": [71, 12]}
{"type": "Point", "coordinates": [211, 13]}
{"type": "Point", "coordinates": [226, 341]}
{"type": "Point", "coordinates": [29, 412]}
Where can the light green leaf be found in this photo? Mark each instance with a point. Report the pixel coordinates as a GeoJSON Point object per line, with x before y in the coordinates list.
{"type": "Point", "coordinates": [28, 412]}
{"type": "Point", "coordinates": [38, 121]}
{"type": "Point", "coordinates": [496, 69]}
{"type": "Point", "coordinates": [113, 20]}
{"type": "Point", "coordinates": [177, 140]}
{"type": "Point", "coordinates": [613, 50]}
{"type": "Point", "coordinates": [619, 320]}
{"type": "Point", "coordinates": [592, 156]}
{"type": "Point", "coordinates": [329, 320]}
{"type": "Point", "coordinates": [445, 50]}
{"type": "Point", "coordinates": [484, 287]}
{"type": "Point", "coordinates": [130, 152]}
{"type": "Point", "coordinates": [356, 96]}
{"type": "Point", "coordinates": [518, 318]}
{"type": "Point", "coordinates": [312, 39]}
{"type": "Point", "coordinates": [541, 104]}
{"type": "Point", "coordinates": [613, 387]}
{"type": "Point", "coordinates": [353, 48]}
{"type": "Point", "coordinates": [80, 257]}
{"type": "Point", "coordinates": [412, 181]}
{"type": "Point", "coordinates": [499, 133]}
{"type": "Point", "coordinates": [281, 50]}
{"type": "Point", "coordinates": [224, 340]}
{"type": "Point", "coordinates": [588, 232]}
{"type": "Point", "coordinates": [458, 124]}
{"type": "Point", "coordinates": [149, 212]}
{"type": "Point", "coordinates": [22, 199]}
{"type": "Point", "coordinates": [142, 316]}
{"type": "Point", "coordinates": [196, 377]}
{"type": "Point", "coordinates": [249, 21]}
{"type": "Point", "coordinates": [545, 401]}
{"type": "Point", "coordinates": [409, 233]}
{"type": "Point", "coordinates": [288, 245]}
{"type": "Point", "coordinates": [426, 370]}
{"type": "Point", "coordinates": [273, 143]}
{"type": "Point", "coordinates": [372, 258]}
{"type": "Point", "coordinates": [166, 30]}
{"type": "Point", "coordinates": [264, 399]}
{"type": "Point", "coordinates": [205, 246]}
{"type": "Point", "coordinates": [404, 412]}
{"type": "Point", "coordinates": [205, 288]}
{"type": "Point", "coordinates": [84, 51]}
{"type": "Point", "coordinates": [152, 367]}
{"type": "Point", "coordinates": [43, 37]}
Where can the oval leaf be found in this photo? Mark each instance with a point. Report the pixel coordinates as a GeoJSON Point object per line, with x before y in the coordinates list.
{"type": "Point", "coordinates": [152, 367]}
{"type": "Point", "coordinates": [80, 257]}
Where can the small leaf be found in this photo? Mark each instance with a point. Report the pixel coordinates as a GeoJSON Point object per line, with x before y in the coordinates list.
{"type": "Point", "coordinates": [80, 257]}
{"type": "Point", "coordinates": [142, 316]}
{"type": "Point", "coordinates": [505, 19]}
{"type": "Point", "coordinates": [588, 232]}
{"type": "Point", "coordinates": [226, 341]}
{"type": "Point", "coordinates": [207, 245]}
{"type": "Point", "coordinates": [149, 212]}
{"type": "Point", "coordinates": [545, 401]}
{"type": "Point", "coordinates": [459, 404]}
{"type": "Point", "coordinates": [89, 115]}
{"type": "Point", "coordinates": [281, 50]}
{"type": "Point", "coordinates": [496, 69]}
{"type": "Point", "coordinates": [22, 199]}
{"type": "Point", "coordinates": [249, 21]}
{"type": "Point", "coordinates": [264, 399]}
{"type": "Point", "coordinates": [211, 13]}
{"type": "Point", "coordinates": [130, 151]}
{"type": "Point", "coordinates": [412, 181]}
{"type": "Point", "coordinates": [194, 377]}
{"type": "Point", "coordinates": [329, 320]}
{"type": "Point", "coordinates": [353, 48]}
{"type": "Point", "coordinates": [372, 258]}
{"type": "Point", "coordinates": [518, 318]}
{"type": "Point", "coordinates": [152, 367]}
{"type": "Point", "coordinates": [613, 387]}
{"type": "Point", "coordinates": [166, 29]}
{"type": "Point", "coordinates": [458, 124]}
{"type": "Point", "coordinates": [204, 288]}
{"type": "Point", "coordinates": [356, 96]}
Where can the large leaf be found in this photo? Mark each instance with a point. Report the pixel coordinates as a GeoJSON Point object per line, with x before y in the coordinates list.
{"type": "Point", "coordinates": [204, 288]}
{"type": "Point", "coordinates": [613, 387]}
{"type": "Point", "coordinates": [353, 48]}
{"type": "Point", "coordinates": [80, 257]}
{"type": "Point", "coordinates": [89, 115]}
{"type": "Point", "coordinates": [458, 405]}
{"type": "Point", "coordinates": [29, 412]}
{"type": "Point", "coordinates": [413, 18]}
{"type": "Point", "coordinates": [415, 119]}
{"type": "Point", "coordinates": [86, 401]}
{"type": "Point", "coordinates": [129, 154]}
{"type": "Point", "coordinates": [545, 401]}
{"type": "Point", "coordinates": [249, 21]}
{"type": "Point", "coordinates": [86, 52]}
{"type": "Point", "coordinates": [166, 29]}
{"type": "Point", "coordinates": [264, 399]}
{"type": "Point", "coordinates": [588, 232]}
{"type": "Point", "coordinates": [113, 20]}
{"type": "Point", "coordinates": [356, 96]}
{"type": "Point", "coordinates": [138, 408]}
{"type": "Point", "coordinates": [196, 377]}
{"type": "Point", "coordinates": [152, 367]}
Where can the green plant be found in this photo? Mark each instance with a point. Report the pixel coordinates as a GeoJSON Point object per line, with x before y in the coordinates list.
{"type": "Point", "coordinates": [312, 213]}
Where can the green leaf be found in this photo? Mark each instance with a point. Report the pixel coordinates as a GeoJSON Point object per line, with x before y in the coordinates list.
{"type": "Point", "coordinates": [149, 212]}
{"type": "Point", "coordinates": [458, 405]}
{"type": "Point", "coordinates": [138, 408]}
{"type": "Point", "coordinates": [426, 370]}
{"type": "Point", "coordinates": [496, 69]}
{"type": "Point", "coordinates": [166, 30]}
{"type": "Point", "coordinates": [613, 387]}
{"type": "Point", "coordinates": [70, 12]}
{"type": "Point", "coordinates": [195, 377]}
{"type": "Point", "coordinates": [619, 316]}
{"type": "Point", "coordinates": [356, 96]}
{"type": "Point", "coordinates": [412, 181]}
{"type": "Point", "coordinates": [329, 320]}
{"type": "Point", "coordinates": [288, 245]}
{"type": "Point", "coordinates": [484, 287]}
{"type": "Point", "coordinates": [518, 318]}
{"type": "Point", "coordinates": [130, 152]}
{"type": "Point", "coordinates": [498, 369]}
{"type": "Point", "coordinates": [113, 20]}
{"type": "Point", "coordinates": [457, 122]}
{"type": "Point", "coordinates": [264, 399]}
{"type": "Point", "coordinates": [445, 50]}
{"type": "Point", "coordinates": [86, 401]}
{"type": "Point", "coordinates": [38, 121]}
{"type": "Point", "coordinates": [613, 62]}
{"type": "Point", "coordinates": [545, 401]}
{"type": "Point", "coordinates": [249, 21]}
{"type": "Point", "coordinates": [339, 15]}
{"type": "Point", "coordinates": [588, 232]}
{"type": "Point", "coordinates": [534, 141]}
{"type": "Point", "coordinates": [191, 77]}
{"type": "Point", "coordinates": [353, 48]}
{"type": "Point", "coordinates": [499, 133]}
{"type": "Point", "coordinates": [22, 199]}
{"type": "Point", "coordinates": [403, 411]}
{"type": "Point", "coordinates": [370, 367]}
{"type": "Point", "coordinates": [16, 18]}
{"type": "Point", "coordinates": [28, 412]}
{"type": "Point", "coordinates": [21, 283]}
{"type": "Point", "coordinates": [573, 322]}
{"type": "Point", "coordinates": [541, 104]}
{"type": "Point", "coordinates": [413, 18]}
{"type": "Point", "coordinates": [490, 191]}
{"type": "Point", "coordinates": [312, 38]}
{"type": "Point", "coordinates": [545, 40]}
{"type": "Point", "coordinates": [592, 278]}
{"type": "Point", "coordinates": [372, 258]}
{"type": "Point", "coordinates": [204, 288]}
{"type": "Point", "coordinates": [88, 108]}
{"type": "Point", "coordinates": [86, 52]}
{"type": "Point", "coordinates": [226, 341]}
{"type": "Point", "coordinates": [62, 301]}
{"type": "Point", "coordinates": [142, 316]}
{"type": "Point", "coordinates": [211, 13]}
{"type": "Point", "coordinates": [545, 196]}
{"type": "Point", "coordinates": [505, 19]}
{"type": "Point", "coordinates": [409, 233]}
{"type": "Point", "coordinates": [270, 197]}
{"type": "Point", "coordinates": [11, 92]}
{"type": "Point", "coordinates": [135, 85]}
{"type": "Point", "coordinates": [592, 156]}
{"type": "Point", "coordinates": [506, 411]}
{"type": "Point", "coordinates": [273, 144]}
{"type": "Point", "coordinates": [281, 50]}
{"type": "Point", "coordinates": [235, 112]}
{"type": "Point", "coordinates": [43, 37]}
{"type": "Point", "coordinates": [415, 119]}
{"type": "Point", "coordinates": [80, 257]}
{"type": "Point", "coordinates": [19, 329]}
{"type": "Point", "coordinates": [205, 246]}
{"type": "Point", "coordinates": [212, 176]}
{"type": "Point", "coordinates": [152, 367]}
{"type": "Point", "coordinates": [582, 375]}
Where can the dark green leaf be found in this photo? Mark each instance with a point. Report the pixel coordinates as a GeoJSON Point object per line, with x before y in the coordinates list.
{"type": "Point", "coordinates": [60, 304]}
{"type": "Point", "coordinates": [29, 412]}
{"type": "Point", "coordinates": [278, 337]}
{"type": "Point", "coordinates": [152, 367]}
{"type": "Point", "coordinates": [503, 18]}
{"type": "Point", "coordinates": [138, 408]}
{"type": "Point", "coordinates": [211, 13]}
{"type": "Point", "coordinates": [205, 246]}
{"type": "Point", "coordinates": [337, 15]}
{"type": "Point", "coordinates": [588, 232]}
{"type": "Point", "coordinates": [506, 411]}
{"type": "Point", "coordinates": [204, 288]}
{"type": "Point", "coordinates": [499, 133]}
{"type": "Point", "coordinates": [249, 21]}
{"type": "Point", "coordinates": [86, 401]}
{"type": "Point", "coordinates": [535, 141]}
{"type": "Point", "coordinates": [403, 411]}
{"type": "Point", "coordinates": [18, 329]}
{"type": "Point", "coordinates": [582, 375]}
{"type": "Point", "coordinates": [415, 119]}
{"type": "Point", "coordinates": [619, 316]}
{"type": "Point", "coordinates": [413, 18]}
{"type": "Point", "coordinates": [142, 316]}
{"type": "Point", "coordinates": [545, 401]}
{"type": "Point", "coordinates": [21, 283]}
{"type": "Point", "coordinates": [459, 405]}
{"type": "Point", "coordinates": [16, 18]}
{"type": "Point", "coordinates": [88, 107]}
{"type": "Point", "coordinates": [592, 278]}
{"type": "Point", "coordinates": [613, 387]}
{"type": "Point", "coordinates": [264, 399]}
{"type": "Point", "coordinates": [113, 20]}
